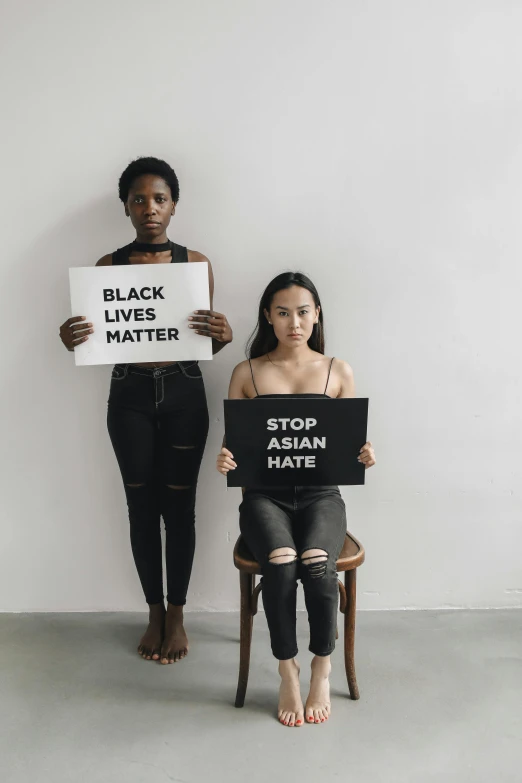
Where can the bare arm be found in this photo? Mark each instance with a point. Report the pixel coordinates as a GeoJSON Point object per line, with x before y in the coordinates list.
{"type": "Point", "coordinates": [209, 323]}
{"type": "Point", "coordinates": [75, 330]}
{"type": "Point", "coordinates": [105, 260]}
{"type": "Point", "coordinates": [236, 391]}
{"type": "Point", "coordinates": [345, 374]}
{"type": "Point", "coordinates": [238, 382]}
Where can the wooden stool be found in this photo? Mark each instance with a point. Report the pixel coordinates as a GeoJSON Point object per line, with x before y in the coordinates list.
{"type": "Point", "coordinates": [351, 557]}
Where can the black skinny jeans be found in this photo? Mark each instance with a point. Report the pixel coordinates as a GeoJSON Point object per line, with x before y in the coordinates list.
{"type": "Point", "coordinates": [301, 518]}
{"type": "Point", "coordinates": [158, 424]}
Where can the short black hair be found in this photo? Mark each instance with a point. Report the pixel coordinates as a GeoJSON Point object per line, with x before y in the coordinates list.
{"type": "Point", "coordinates": [142, 166]}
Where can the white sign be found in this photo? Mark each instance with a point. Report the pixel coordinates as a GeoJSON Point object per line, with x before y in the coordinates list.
{"type": "Point", "coordinates": [140, 312]}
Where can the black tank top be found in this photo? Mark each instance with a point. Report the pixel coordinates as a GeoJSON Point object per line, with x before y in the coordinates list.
{"type": "Point", "coordinates": [324, 394]}
{"type": "Point", "coordinates": [120, 257]}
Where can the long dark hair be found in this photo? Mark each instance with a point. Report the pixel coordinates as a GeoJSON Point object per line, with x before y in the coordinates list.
{"type": "Point", "coordinates": [263, 339]}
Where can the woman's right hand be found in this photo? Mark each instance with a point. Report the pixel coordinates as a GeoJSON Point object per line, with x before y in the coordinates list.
{"type": "Point", "coordinates": [225, 461]}
{"type": "Point", "coordinates": [74, 331]}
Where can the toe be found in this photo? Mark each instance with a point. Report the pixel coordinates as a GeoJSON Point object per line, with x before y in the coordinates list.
{"type": "Point", "coordinates": [155, 655]}
{"type": "Point", "coordinates": [291, 719]}
{"type": "Point", "coordinates": [317, 719]}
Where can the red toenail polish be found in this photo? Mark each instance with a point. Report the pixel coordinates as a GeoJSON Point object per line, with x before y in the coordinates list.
{"type": "Point", "coordinates": [298, 723]}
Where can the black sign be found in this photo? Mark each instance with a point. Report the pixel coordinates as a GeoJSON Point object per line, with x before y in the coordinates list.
{"type": "Point", "coordinates": [278, 442]}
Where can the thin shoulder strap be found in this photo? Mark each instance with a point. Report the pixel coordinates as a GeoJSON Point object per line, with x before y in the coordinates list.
{"type": "Point", "coordinates": [252, 374]}
{"type": "Point", "coordinates": [329, 371]}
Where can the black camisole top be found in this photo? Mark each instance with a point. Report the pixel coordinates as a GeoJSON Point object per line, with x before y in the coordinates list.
{"type": "Point", "coordinates": [324, 395]}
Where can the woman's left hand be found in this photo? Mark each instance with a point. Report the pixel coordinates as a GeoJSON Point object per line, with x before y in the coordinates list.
{"type": "Point", "coordinates": [211, 324]}
{"type": "Point", "coordinates": [367, 455]}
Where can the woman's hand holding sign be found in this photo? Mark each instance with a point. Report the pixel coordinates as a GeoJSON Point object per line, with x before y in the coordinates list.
{"type": "Point", "coordinates": [211, 324]}
{"type": "Point", "coordinates": [74, 331]}
{"type": "Point", "coordinates": [225, 461]}
{"type": "Point", "coordinates": [367, 455]}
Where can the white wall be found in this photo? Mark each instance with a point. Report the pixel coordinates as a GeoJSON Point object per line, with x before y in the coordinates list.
{"type": "Point", "coordinates": [376, 146]}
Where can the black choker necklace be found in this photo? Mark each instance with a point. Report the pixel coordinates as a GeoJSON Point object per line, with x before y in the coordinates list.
{"type": "Point", "coordinates": [145, 247]}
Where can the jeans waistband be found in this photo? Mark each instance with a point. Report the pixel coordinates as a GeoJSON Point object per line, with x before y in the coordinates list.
{"type": "Point", "coordinates": [156, 372]}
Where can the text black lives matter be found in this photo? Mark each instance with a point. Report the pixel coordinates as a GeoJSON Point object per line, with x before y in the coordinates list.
{"type": "Point", "coordinates": [120, 315]}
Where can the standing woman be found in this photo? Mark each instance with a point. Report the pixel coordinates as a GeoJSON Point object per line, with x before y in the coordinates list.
{"type": "Point", "coordinates": [295, 532]}
{"type": "Point", "coordinates": [158, 417]}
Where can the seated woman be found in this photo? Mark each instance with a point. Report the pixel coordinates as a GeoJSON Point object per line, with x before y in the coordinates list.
{"type": "Point", "coordinates": [295, 531]}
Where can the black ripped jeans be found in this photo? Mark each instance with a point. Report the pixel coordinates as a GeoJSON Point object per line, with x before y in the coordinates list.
{"type": "Point", "coordinates": [301, 518]}
{"type": "Point", "coordinates": [158, 423]}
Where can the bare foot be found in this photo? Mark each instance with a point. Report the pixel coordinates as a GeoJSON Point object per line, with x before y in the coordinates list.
{"type": "Point", "coordinates": [290, 708]}
{"type": "Point", "coordinates": [318, 702]}
{"type": "Point", "coordinates": [175, 642]}
{"type": "Point", "coordinates": [150, 643]}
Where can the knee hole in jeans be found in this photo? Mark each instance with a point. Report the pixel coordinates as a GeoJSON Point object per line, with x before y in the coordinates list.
{"type": "Point", "coordinates": [314, 560]}
{"type": "Point", "coordinates": [175, 486]}
{"type": "Point", "coordinates": [282, 556]}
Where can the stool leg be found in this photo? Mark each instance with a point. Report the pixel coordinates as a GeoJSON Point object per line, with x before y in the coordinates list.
{"type": "Point", "coordinates": [349, 632]}
{"type": "Point", "coordinates": [246, 582]}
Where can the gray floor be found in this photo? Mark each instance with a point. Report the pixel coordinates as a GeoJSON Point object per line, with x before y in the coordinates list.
{"type": "Point", "coordinates": [441, 700]}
